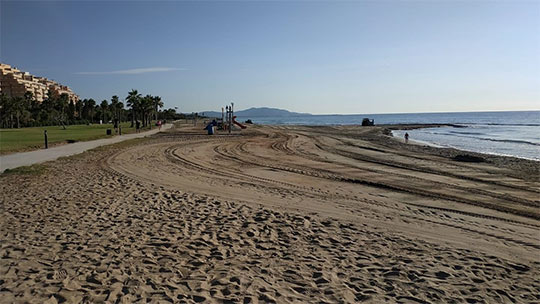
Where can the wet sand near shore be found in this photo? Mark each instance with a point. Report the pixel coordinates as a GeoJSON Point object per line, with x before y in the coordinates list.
{"type": "Point", "coordinates": [272, 214]}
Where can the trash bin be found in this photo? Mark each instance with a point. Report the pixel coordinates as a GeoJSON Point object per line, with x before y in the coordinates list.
{"type": "Point", "coordinates": [109, 132]}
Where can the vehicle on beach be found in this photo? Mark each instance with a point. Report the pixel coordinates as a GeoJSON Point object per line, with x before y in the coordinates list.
{"type": "Point", "coordinates": [368, 122]}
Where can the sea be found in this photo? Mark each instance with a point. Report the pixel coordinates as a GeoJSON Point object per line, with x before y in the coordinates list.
{"type": "Point", "coordinates": [515, 133]}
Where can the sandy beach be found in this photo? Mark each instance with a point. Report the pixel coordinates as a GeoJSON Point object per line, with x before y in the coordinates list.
{"type": "Point", "coordinates": [281, 214]}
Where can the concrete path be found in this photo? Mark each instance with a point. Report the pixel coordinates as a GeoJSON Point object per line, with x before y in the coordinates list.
{"type": "Point", "coordinates": [15, 160]}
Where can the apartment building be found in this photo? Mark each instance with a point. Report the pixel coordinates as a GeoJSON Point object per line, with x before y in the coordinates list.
{"type": "Point", "coordinates": [14, 83]}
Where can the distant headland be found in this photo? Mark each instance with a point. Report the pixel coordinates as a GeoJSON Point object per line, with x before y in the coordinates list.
{"type": "Point", "coordinates": [257, 112]}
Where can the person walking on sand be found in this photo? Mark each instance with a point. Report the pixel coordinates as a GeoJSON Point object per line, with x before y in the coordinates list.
{"type": "Point", "coordinates": [138, 126]}
{"type": "Point", "coordinates": [159, 124]}
{"type": "Point", "coordinates": [406, 137]}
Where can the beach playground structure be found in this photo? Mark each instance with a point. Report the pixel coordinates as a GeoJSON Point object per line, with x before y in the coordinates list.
{"type": "Point", "coordinates": [237, 123]}
{"type": "Point", "coordinates": [227, 122]}
{"type": "Point", "coordinates": [228, 119]}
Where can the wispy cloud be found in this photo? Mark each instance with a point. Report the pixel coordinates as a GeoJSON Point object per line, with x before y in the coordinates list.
{"type": "Point", "coordinates": [132, 71]}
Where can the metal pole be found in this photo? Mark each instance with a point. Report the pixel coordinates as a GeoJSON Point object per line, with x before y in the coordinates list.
{"type": "Point", "coordinates": [46, 140]}
{"type": "Point", "coordinates": [230, 120]}
{"type": "Point", "coordinates": [226, 122]}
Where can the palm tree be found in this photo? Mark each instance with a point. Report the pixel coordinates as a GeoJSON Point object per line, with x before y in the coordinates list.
{"type": "Point", "coordinates": [18, 105]}
{"type": "Point", "coordinates": [28, 96]}
{"type": "Point", "coordinates": [33, 105]}
{"type": "Point", "coordinates": [61, 104]}
{"type": "Point", "coordinates": [8, 106]}
{"type": "Point", "coordinates": [147, 106]}
{"type": "Point", "coordinates": [91, 103]}
{"type": "Point", "coordinates": [133, 101]}
{"type": "Point", "coordinates": [79, 108]}
{"type": "Point", "coordinates": [48, 107]}
{"type": "Point", "coordinates": [104, 106]}
{"type": "Point", "coordinates": [71, 110]}
{"type": "Point", "coordinates": [120, 109]}
{"type": "Point", "coordinates": [5, 109]}
{"type": "Point", "coordinates": [30, 105]}
{"type": "Point", "coordinates": [157, 105]}
{"type": "Point", "coordinates": [114, 106]}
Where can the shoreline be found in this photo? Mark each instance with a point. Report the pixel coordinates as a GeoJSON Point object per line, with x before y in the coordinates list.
{"type": "Point", "coordinates": [420, 142]}
{"type": "Point", "coordinates": [530, 167]}
{"type": "Point", "coordinates": [444, 150]}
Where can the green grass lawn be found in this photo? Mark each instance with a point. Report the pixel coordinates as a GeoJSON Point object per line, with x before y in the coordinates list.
{"type": "Point", "coordinates": [26, 139]}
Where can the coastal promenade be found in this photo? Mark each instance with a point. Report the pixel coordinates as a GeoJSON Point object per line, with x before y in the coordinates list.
{"type": "Point", "coordinates": [15, 160]}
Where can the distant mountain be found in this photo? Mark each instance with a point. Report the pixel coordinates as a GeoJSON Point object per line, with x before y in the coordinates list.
{"type": "Point", "coordinates": [257, 112]}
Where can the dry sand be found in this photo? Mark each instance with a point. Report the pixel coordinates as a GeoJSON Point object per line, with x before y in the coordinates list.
{"type": "Point", "coordinates": [276, 214]}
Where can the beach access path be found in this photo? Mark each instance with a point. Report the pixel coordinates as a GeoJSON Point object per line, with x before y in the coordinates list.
{"type": "Point", "coordinates": [15, 160]}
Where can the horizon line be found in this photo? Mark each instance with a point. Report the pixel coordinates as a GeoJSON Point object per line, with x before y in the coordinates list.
{"type": "Point", "coordinates": [306, 113]}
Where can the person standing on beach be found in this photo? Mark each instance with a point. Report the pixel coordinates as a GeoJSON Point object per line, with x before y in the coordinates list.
{"type": "Point", "coordinates": [138, 126]}
{"type": "Point", "coordinates": [406, 137]}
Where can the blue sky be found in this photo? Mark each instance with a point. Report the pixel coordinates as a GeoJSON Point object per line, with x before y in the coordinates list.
{"type": "Point", "coordinates": [317, 57]}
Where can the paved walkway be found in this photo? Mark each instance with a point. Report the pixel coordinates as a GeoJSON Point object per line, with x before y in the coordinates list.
{"type": "Point", "coordinates": [15, 160]}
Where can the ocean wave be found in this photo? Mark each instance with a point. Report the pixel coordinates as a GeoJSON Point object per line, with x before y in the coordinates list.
{"type": "Point", "coordinates": [468, 133]}
{"type": "Point", "coordinates": [516, 141]}
{"type": "Point", "coordinates": [504, 124]}
{"type": "Point", "coordinates": [458, 134]}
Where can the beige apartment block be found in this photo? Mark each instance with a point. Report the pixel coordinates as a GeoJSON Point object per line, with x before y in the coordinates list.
{"type": "Point", "coordinates": [15, 83]}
